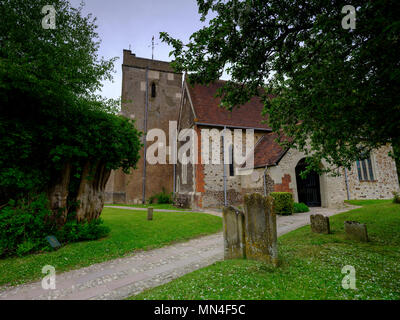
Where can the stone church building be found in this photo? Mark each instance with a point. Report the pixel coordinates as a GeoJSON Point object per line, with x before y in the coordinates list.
{"type": "Point", "coordinates": [154, 95]}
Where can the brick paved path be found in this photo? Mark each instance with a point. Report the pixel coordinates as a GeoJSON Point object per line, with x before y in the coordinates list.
{"type": "Point", "coordinates": [120, 278]}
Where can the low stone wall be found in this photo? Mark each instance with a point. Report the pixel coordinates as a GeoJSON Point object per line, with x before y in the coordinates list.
{"type": "Point", "coordinates": [182, 200]}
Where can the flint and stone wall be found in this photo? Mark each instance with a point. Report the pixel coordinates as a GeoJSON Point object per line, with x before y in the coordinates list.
{"type": "Point", "coordinates": [209, 181]}
{"type": "Point", "coordinates": [209, 190]}
{"type": "Point", "coordinates": [333, 188]}
{"type": "Point", "coordinates": [385, 174]}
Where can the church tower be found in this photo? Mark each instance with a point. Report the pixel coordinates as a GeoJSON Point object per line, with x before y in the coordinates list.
{"type": "Point", "coordinates": [151, 95]}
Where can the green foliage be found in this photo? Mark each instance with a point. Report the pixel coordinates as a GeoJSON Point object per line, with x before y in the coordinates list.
{"type": "Point", "coordinates": [25, 248]}
{"type": "Point", "coordinates": [300, 207]}
{"type": "Point", "coordinates": [161, 198]}
{"type": "Point", "coordinates": [49, 65]}
{"type": "Point", "coordinates": [49, 114]}
{"type": "Point", "coordinates": [75, 135]}
{"type": "Point", "coordinates": [283, 203]}
{"type": "Point", "coordinates": [74, 231]}
{"type": "Point", "coordinates": [25, 224]}
{"type": "Point", "coordinates": [396, 198]}
{"type": "Point", "coordinates": [328, 88]}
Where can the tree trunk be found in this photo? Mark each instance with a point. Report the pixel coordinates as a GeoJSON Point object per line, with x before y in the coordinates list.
{"type": "Point", "coordinates": [58, 194]}
{"type": "Point", "coordinates": [91, 191]}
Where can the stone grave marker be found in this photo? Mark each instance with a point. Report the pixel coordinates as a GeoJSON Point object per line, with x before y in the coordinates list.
{"type": "Point", "coordinates": [320, 224]}
{"type": "Point", "coordinates": [260, 221]}
{"type": "Point", "coordinates": [356, 231]}
{"type": "Point", "coordinates": [54, 243]}
{"type": "Point", "coordinates": [234, 233]}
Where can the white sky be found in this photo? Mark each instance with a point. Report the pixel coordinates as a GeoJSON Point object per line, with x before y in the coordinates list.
{"type": "Point", "coordinates": [133, 22]}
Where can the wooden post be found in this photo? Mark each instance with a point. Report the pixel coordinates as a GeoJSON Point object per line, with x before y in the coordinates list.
{"type": "Point", "coordinates": [149, 213]}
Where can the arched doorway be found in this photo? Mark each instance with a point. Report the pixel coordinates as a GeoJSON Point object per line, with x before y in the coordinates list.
{"type": "Point", "coordinates": [308, 189]}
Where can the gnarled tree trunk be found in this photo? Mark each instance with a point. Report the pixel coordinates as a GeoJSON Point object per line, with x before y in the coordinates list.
{"type": "Point", "coordinates": [57, 194]}
{"type": "Point", "coordinates": [91, 191]}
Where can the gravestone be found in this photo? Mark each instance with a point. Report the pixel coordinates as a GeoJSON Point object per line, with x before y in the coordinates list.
{"type": "Point", "coordinates": [54, 243]}
{"type": "Point", "coordinates": [320, 224]}
{"type": "Point", "coordinates": [260, 222]}
{"type": "Point", "coordinates": [234, 233]}
{"type": "Point", "coordinates": [356, 231]}
{"type": "Point", "coordinates": [149, 213]}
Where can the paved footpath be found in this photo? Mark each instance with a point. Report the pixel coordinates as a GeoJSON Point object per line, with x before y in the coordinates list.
{"type": "Point", "coordinates": [120, 278]}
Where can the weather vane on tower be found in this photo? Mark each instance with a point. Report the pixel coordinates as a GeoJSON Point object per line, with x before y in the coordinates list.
{"type": "Point", "coordinates": [152, 47]}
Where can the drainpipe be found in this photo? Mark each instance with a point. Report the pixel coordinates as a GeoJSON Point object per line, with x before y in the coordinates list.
{"type": "Point", "coordinates": [174, 152]}
{"type": "Point", "coordinates": [174, 182]}
{"type": "Point", "coordinates": [223, 156]}
{"type": "Point", "coordinates": [265, 180]}
{"type": "Point", "coordinates": [347, 183]}
{"type": "Point", "coordinates": [145, 137]}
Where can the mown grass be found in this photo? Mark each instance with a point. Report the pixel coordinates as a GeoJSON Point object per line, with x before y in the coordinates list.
{"type": "Point", "coordinates": [310, 265]}
{"type": "Point", "coordinates": [130, 231]}
{"type": "Point", "coordinates": [367, 202]}
{"type": "Point", "coordinates": [167, 206]}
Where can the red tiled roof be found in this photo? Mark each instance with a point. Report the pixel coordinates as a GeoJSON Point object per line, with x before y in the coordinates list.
{"type": "Point", "coordinates": [208, 110]}
{"type": "Point", "coordinates": [267, 151]}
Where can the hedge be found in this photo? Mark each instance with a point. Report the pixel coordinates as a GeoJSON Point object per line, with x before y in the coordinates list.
{"type": "Point", "coordinates": [283, 201]}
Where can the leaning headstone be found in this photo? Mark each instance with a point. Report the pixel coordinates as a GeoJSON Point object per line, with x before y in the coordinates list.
{"type": "Point", "coordinates": [260, 221]}
{"type": "Point", "coordinates": [320, 224]}
{"type": "Point", "coordinates": [356, 231]}
{"type": "Point", "coordinates": [54, 243]}
{"type": "Point", "coordinates": [234, 233]}
{"type": "Point", "coordinates": [149, 213]}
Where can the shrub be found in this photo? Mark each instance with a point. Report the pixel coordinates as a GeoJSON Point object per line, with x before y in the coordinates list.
{"type": "Point", "coordinates": [396, 198]}
{"type": "Point", "coordinates": [300, 207]}
{"type": "Point", "coordinates": [74, 231]}
{"type": "Point", "coordinates": [283, 202]}
{"type": "Point", "coordinates": [162, 197]}
{"type": "Point", "coordinates": [24, 225]}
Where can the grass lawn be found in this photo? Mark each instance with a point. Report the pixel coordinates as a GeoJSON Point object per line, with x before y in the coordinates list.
{"type": "Point", "coordinates": [130, 231]}
{"type": "Point", "coordinates": [155, 206]}
{"type": "Point", "coordinates": [367, 202]}
{"type": "Point", "coordinates": [310, 267]}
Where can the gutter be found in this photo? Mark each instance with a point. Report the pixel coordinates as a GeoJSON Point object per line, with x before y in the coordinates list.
{"type": "Point", "coordinates": [225, 126]}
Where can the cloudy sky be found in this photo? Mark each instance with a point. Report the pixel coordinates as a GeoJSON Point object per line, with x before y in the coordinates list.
{"type": "Point", "coordinates": [124, 23]}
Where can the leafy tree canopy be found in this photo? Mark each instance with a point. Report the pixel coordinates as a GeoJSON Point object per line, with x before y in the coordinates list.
{"type": "Point", "coordinates": [50, 115]}
{"type": "Point", "coordinates": [334, 89]}
{"type": "Point", "coordinates": [49, 64]}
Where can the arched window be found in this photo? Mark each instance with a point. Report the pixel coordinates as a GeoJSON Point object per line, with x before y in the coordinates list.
{"type": "Point", "coordinates": [365, 169]}
{"type": "Point", "coordinates": [153, 90]}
